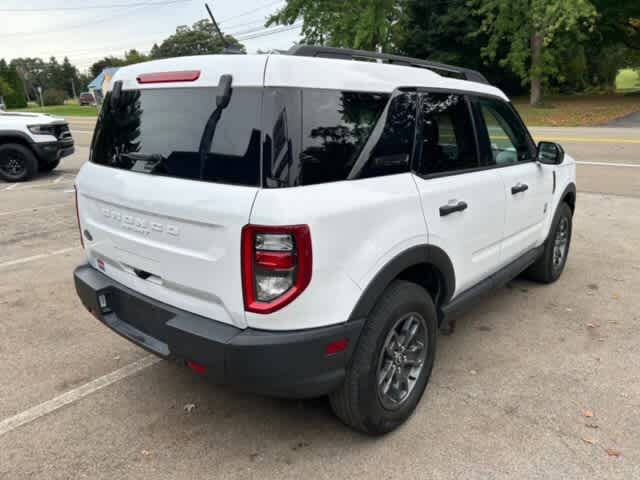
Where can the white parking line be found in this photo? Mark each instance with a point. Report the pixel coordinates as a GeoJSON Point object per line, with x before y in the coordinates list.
{"type": "Point", "coordinates": [11, 187]}
{"type": "Point", "coordinates": [34, 209]}
{"type": "Point", "coordinates": [76, 394]}
{"type": "Point", "coordinates": [32, 258]}
{"type": "Point", "coordinates": [20, 187]}
{"type": "Point", "coordinates": [607, 164]}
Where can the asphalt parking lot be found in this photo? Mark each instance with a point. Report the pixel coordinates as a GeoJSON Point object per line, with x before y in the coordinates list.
{"type": "Point", "coordinates": [536, 382]}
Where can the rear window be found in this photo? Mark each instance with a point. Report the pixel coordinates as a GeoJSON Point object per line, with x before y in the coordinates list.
{"type": "Point", "coordinates": [159, 131]}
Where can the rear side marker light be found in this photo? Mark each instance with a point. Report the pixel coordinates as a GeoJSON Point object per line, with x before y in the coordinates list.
{"type": "Point", "coordinates": [197, 367]}
{"type": "Point", "coordinates": [169, 77]}
{"type": "Point", "coordinates": [276, 265]}
{"type": "Point", "coordinates": [337, 347]}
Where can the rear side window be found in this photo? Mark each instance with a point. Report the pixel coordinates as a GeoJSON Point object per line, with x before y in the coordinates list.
{"type": "Point", "coordinates": [159, 132]}
{"type": "Point", "coordinates": [315, 136]}
{"type": "Point", "coordinates": [448, 138]}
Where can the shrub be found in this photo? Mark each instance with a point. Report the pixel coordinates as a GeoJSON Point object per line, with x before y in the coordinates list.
{"type": "Point", "coordinates": [53, 96]}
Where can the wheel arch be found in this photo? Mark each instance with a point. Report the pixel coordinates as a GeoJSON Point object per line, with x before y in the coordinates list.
{"type": "Point", "coordinates": [426, 265]}
{"type": "Point", "coordinates": [16, 136]}
{"type": "Point", "coordinates": [569, 196]}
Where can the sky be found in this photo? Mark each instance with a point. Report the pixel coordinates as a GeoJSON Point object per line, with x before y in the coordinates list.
{"type": "Point", "coordinates": [85, 32]}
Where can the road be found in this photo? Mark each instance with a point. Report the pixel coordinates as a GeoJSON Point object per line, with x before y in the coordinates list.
{"type": "Point", "coordinates": [508, 396]}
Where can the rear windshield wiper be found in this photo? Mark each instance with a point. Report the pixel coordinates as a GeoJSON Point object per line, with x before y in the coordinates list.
{"type": "Point", "coordinates": [147, 163]}
{"type": "Point", "coordinates": [222, 101]}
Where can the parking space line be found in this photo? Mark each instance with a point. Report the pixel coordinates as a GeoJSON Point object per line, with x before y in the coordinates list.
{"type": "Point", "coordinates": [608, 164]}
{"type": "Point", "coordinates": [12, 186]}
{"type": "Point", "coordinates": [35, 209]}
{"type": "Point", "coordinates": [34, 413]}
{"type": "Point", "coordinates": [32, 258]}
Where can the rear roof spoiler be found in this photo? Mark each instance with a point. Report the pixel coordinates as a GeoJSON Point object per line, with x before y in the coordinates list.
{"type": "Point", "coordinates": [363, 55]}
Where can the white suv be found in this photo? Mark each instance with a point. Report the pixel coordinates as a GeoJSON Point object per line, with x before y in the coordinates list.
{"type": "Point", "coordinates": [300, 226]}
{"type": "Point", "coordinates": [31, 143]}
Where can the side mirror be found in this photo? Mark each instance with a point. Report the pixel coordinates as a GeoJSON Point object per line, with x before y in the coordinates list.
{"type": "Point", "coordinates": [550, 153]}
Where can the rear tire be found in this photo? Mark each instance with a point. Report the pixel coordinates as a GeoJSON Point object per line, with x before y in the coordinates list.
{"type": "Point", "coordinates": [48, 166]}
{"type": "Point", "coordinates": [388, 355]}
{"type": "Point", "coordinates": [551, 263]}
{"type": "Point", "coordinates": [17, 163]}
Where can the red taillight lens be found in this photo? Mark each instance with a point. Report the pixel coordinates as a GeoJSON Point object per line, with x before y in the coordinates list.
{"type": "Point", "coordinates": [75, 188]}
{"type": "Point", "coordinates": [169, 77]}
{"type": "Point", "coordinates": [276, 265]}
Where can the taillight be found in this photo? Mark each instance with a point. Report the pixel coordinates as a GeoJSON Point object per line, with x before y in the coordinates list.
{"type": "Point", "coordinates": [75, 188]}
{"type": "Point", "coordinates": [276, 265]}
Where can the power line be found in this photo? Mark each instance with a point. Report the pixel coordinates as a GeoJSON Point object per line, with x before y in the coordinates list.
{"type": "Point", "coordinates": [248, 12]}
{"type": "Point", "coordinates": [272, 32]}
{"type": "Point", "coordinates": [88, 7]}
{"type": "Point", "coordinates": [85, 24]}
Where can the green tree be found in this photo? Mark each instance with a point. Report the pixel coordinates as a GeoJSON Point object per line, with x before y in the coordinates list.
{"type": "Point", "coordinates": [529, 29]}
{"type": "Point", "coordinates": [199, 39]}
{"type": "Point", "coordinates": [15, 97]}
{"type": "Point", "coordinates": [106, 62]}
{"type": "Point", "coordinates": [362, 24]}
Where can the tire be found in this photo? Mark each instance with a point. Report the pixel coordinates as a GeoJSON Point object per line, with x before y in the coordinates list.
{"type": "Point", "coordinates": [359, 402]}
{"type": "Point", "coordinates": [551, 263]}
{"type": "Point", "coordinates": [48, 166]}
{"type": "Point", "coordinates": [17, 163]}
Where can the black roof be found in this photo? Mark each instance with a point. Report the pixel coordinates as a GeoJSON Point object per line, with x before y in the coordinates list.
{"type": "Point", "coordinates": [350, 54]}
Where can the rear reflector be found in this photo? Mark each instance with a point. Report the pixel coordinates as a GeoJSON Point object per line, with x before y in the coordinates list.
{"type": "Point", "coordinates": [337, 347]}
{"type": "Point", "coordinates": [168, 77]}
{"type": "Point", "coordinates": [197, 367]}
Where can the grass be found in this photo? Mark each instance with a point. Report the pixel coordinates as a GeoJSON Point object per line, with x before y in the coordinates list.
{"type": "Point", "coordinates": [578, 110]}
{"type": "Point", "coordinates": [628, 79]}
{"type": "Point", "coordinates": [68, 110]}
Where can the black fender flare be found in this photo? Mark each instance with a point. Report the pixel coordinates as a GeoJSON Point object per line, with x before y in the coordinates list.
{"type": "Point", "coordinates": [570, 188]}
{"type": "Point", "coordinates": [15, 134]}
{"type": "Point", "coordinates": [419, 254]}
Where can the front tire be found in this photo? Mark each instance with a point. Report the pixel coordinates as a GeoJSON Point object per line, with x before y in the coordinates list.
{"type": "Point", "coordinates": [17, 163]}
{"type": "Point", "coordinates": [392, 363]}
{"type": "Point", "coordinates": [551, 263]}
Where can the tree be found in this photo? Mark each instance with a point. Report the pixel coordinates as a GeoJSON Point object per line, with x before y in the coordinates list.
{"type": "Point", "coordinates": [362, 24]}
{"type": "Point", "coordinates": [529, 28]}
{"type": "Point", "coordinates": [199, 39]}
{"type": "Point", "coordinates": [106, 62]}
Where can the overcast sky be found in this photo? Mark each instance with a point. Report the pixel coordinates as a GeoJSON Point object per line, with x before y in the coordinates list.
{"type": "Point", "coordinates": [84, 34]}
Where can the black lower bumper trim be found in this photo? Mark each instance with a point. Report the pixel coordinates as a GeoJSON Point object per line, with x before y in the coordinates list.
{"type": "Point", "coordinates": [51, 151]}
{"type": "Point", "coordinates": [289, 364]}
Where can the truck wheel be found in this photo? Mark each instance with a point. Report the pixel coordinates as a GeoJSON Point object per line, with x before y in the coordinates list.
{"type": "Point", "coordinates": [17, 163]}
{"type": "Point", "coordinates": [392, 363]}
{"type": "Point", "coordinates": [550, 265]}
{"type": "Point", "coordinates": [48, 166]}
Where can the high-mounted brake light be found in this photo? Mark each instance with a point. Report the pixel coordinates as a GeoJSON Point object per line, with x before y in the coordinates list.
{"type": "Point", "coordinates": [168, 77]}
{"type": "Point", "coordinates": [276, 265]}
{"type": "Point", "coordinates": [75, 189]}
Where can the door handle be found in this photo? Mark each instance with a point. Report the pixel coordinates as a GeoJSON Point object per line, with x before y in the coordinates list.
{"type": "Point", "coordinates": [449, 209]}
{"type": "Point", "coordinates": [519, 188]}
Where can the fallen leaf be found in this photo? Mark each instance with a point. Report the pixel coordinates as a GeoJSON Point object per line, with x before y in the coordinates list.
{"type": "Point", "coordinates": [569, 309]}
{"type": "Point", "coordinates": [591, 425]}
{"type": "Point", "coordinates": [589, 440]}
{"type": "Point", "coordinates": [189, 407]}
{"type": "Point", "coordinates": [587, 413]}
{"type": "Point", "coordinates": [146, 453]}
{"type": "Point", "coordinates": [613, 453]}
{"type": "Point", "coordinates": [615, 296]}
{"type": "Point", "coordinates": [593, 325]}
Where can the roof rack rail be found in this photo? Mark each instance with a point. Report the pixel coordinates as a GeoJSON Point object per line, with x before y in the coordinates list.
{"type": "Point", "coordinates": [363, 55]}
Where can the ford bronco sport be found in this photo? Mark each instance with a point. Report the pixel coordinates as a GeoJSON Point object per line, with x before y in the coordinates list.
{"type": "Point", "coordinates": [31, 143]}
{"type": "Point", "coordinates": [297, 225]}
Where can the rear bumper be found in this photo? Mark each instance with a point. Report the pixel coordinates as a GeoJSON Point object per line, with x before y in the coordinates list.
{"type": "Point", "coordinates": [51, 151]}
{"type": "Point", "coordinates": [289, 364]}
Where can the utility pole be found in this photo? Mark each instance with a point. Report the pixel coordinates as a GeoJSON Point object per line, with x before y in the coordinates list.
{"type": "Point", "coordinates": [73, 89]}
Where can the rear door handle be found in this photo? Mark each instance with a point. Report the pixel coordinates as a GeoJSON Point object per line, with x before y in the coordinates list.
{"type": "Point", "coordinates": [519, 188]}
{"type": "Point", "coordinates": [449, 209]}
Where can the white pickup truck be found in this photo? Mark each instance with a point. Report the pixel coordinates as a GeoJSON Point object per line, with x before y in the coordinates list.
{"type": "Point", "coordinates": [31, 143]}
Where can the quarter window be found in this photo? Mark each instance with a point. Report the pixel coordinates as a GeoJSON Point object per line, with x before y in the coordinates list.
{"type": "Point", "coordinates": [448, 140]}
